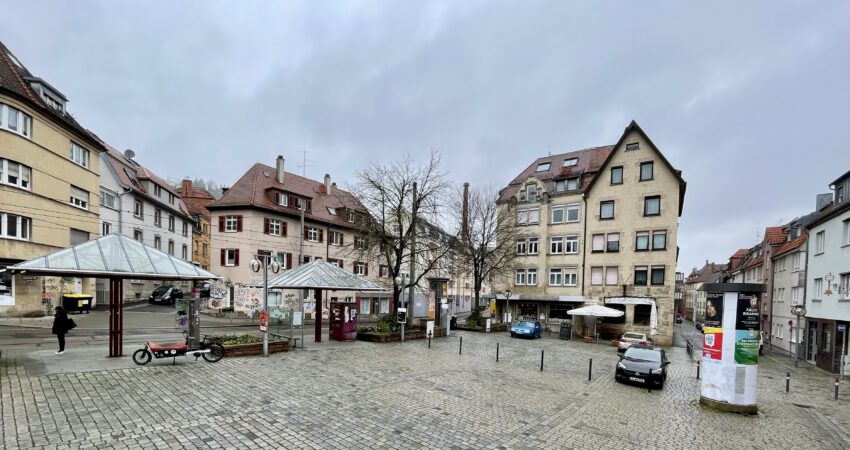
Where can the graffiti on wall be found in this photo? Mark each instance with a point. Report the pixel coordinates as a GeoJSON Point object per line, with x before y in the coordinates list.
{"type": "Point", "coordinates": [247, 299]}
{"type": "Point", "coordinates": [218, 295]}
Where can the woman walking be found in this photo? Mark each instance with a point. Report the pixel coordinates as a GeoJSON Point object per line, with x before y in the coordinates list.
{"type": "Point", "coordinates": [61, 325]}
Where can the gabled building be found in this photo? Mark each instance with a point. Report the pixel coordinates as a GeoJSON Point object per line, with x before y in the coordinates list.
{"type": "Point", "coordinates": [694, 296]}
{"type": "Point", "coordinates": [260, 215]}
{"type": "Point", "coordinates": [49, 168]}
{"type": "Point", "coordinates": [196, 201]}
{"type": "Point", "coordinates": [828, 281]}
{"type": "Point", "coordinates": [137, 203]}
{"type": "Point", "coordinates": [601, 225]}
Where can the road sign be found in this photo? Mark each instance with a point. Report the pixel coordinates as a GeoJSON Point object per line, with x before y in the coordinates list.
{"type": "Point", "coordinates": [264, 321]}
{"type": "Point", "coordinates": [842, 328]}
{"type": "Point", "coordinates": [402, 315]}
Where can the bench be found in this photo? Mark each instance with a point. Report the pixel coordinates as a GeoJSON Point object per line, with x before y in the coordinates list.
{"type": "Point", "coordinates": [280, 336]}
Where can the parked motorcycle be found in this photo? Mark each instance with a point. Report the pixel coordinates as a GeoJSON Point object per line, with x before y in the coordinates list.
{"type": "Point", "coordinates": [211, 351]}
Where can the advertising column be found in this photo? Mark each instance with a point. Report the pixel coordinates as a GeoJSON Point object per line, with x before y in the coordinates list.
{"type": "Point", "coordinates": [730, 346]}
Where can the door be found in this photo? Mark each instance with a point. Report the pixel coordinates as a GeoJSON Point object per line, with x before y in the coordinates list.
{"type": "Point", "coordinates": [812, 342]}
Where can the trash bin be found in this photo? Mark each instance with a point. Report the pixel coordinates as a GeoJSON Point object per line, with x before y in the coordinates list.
{"type": "Point", "coordinates": [77, 303]}
{"type": "Point", "coordinates": [566, 331]}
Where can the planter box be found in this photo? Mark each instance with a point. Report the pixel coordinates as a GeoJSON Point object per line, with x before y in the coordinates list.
{"type": "Point", "coordinates": [255, 348]}
{"type": "Point", "coordinates": [396, 337]}
{"type": "Point", "coordinates": [482, 328]}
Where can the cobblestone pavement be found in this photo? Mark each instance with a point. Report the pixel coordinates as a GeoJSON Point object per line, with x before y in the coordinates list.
{"type": "Point", "coordinates": [409, 396]}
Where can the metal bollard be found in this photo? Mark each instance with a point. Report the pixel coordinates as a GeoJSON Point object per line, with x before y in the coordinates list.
{"type": "Point", "coordinates": [460, 350]}
{"type": "Point", "coordinates": [497, 352]}
{"type": "Point", "coordinates": [698, 366]}
{"type": "Point", "coordinates": [589, 369]}
{"type": "Point", "coordinates": [787, 382]}
{"type": "Point", "coordinates": [429, 340]}
{"type": "Point", "coordinates": [836, 388]}
{"type": "Point", "coordinates": [541, 360]}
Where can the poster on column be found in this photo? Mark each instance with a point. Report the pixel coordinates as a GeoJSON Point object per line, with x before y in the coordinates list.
{"type": "Point", "coordinates": [712, 347]}
{"type": "Point", "coordinates": [747, 329]}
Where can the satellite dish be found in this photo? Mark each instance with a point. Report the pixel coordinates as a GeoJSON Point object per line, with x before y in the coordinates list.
{"type": "Point", "coordinates": [129, 154]}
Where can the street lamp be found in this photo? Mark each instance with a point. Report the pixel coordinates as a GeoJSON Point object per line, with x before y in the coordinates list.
{"type": "Point", "coordinates": [401, 280]}
{"type": "Point", "coordinates": [798, 310]}
{"type": "Point", "coordinates": [256, 265]}
{"type": "Point", "coordinates": [507, 295]}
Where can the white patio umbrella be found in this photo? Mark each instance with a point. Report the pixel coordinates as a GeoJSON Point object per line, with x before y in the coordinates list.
{"type": "Point", "coordinates": [595, 310]}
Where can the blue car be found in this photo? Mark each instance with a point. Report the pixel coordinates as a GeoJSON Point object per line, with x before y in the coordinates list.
{"type": "Point", "coordinates": [527, 328]}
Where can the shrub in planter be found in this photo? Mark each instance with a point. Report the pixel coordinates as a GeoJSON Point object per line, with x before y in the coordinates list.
{"type": "Point", "coordinates": [234, 339]}
{"type": "Point", "coordinates": [474, 319]}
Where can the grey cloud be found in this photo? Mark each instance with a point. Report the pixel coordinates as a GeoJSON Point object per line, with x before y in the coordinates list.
{"type": "Point", "coordinates": [749, 100]}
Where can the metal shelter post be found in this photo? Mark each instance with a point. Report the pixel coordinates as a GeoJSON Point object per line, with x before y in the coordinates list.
{"type": "Point", "coordinates": [318, 295]}
{"type": "Point", "coordinates": [116, 317]}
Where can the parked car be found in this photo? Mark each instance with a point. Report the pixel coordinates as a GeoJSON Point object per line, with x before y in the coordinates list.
{"type": "Point", "coordinates": [165, 295]}
{"type": "Point", "coordinates": [644, 366]}
{"type": "Point", "coordinates": [530, 328]}
{"type": "Point", "coordinates": [634, 338]}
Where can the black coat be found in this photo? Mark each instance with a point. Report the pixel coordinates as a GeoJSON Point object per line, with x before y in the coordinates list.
{"type": "Point", "coordinates": [61, 323]}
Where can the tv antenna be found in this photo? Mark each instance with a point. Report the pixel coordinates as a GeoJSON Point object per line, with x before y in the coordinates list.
{"type": "Point", "coordinates": [306, 163]}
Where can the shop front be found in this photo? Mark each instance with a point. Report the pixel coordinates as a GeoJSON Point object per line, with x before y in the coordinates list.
{"type": "Point", "coordinates": [827, 344]}
{"type": "Point", "coordinates": [550, 310]}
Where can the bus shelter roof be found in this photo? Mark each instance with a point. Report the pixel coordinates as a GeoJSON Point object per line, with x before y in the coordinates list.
{"type": "Point", "coordinates": [112, 256]}
{"type": "Point", "coordinates": [320, 274]}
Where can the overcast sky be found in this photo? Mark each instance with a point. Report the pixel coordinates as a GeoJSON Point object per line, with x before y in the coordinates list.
{"type": "Point", "coordinates": [751, 100]}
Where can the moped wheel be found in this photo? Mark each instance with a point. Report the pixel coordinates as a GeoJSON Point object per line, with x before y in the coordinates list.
{"type": "Point", "coordinates": [142, 356]}
{"type": "Point", "coordinates": [215, 354]}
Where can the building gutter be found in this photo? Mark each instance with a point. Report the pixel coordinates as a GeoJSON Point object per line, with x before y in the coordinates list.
{"type": "Point", "coordinates": [584, 250]}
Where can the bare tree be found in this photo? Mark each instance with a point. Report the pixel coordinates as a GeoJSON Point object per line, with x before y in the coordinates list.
{"type": "Point", "coordinates": [487, 243]}
{"type": "Point", "coordinates": [403, 200]}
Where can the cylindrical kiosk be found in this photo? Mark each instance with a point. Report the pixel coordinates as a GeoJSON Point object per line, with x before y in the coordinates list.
{"type": "Point", "coordinates": [730, 354]}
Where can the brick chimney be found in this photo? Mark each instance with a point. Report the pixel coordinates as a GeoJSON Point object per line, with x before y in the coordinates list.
{"type": "Point", "coordinates": [464, 224]}
{"type": "Point", "coordinates": [187, 188]}
{"type": "Point", "coordinates": [279, 169]}
{"type": "Point", "coordinates": [328, 184]}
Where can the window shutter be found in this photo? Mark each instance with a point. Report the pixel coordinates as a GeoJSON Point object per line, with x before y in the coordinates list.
{"type": "Point", "coordinates": [293, 201]}
{"type": "Point", "coordinates": [223, 252]}
{"type": "Point", "coordinates": [321, 235]}
{"type": "Point", "coordinates": [305, 233]}
{"type": "Point", "coordinates": [220, 224]}
{"type": "Point", "coordinates": [266, 225]}
{"type": "Point", "coordinates": [283, 228]}
{"type": "Point", "coordinates": [289, 260]}
{"type": "Point", "coordinates": [340, 264]}
{"type": "Point", "coordinates": [239, 223]}
{"type": "Point", "coordinates": [236, 257]}
{"type": "Point", "coordinates": [276, 197]}
{"type": "Point", "coordinates": [341, 239]}
{"type": "Point", "coordinates": [366, 269]}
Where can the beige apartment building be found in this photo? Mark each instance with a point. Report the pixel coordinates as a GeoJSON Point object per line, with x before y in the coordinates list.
{"type": "Point", "coordinates": [49, 169]}
{"type": "Point", "coordinates": [196, 200]}
{"type": "Point", "coordinates": [598, 225]}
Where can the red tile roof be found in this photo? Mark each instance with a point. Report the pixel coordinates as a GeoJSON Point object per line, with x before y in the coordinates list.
{"type": "Point", "coordinates": [775, 235]}
{"type": "Point", "coordinates": [588, 164]}
{"type": "Point", "coordinates": [753, 263]}
{"type": "Point", "coordinates": [255, 187]}
{"type": "Point", "coordinates": [130, 172]}
{"type": "Point", "coordinates": [791, 245]}
{"type": "Point", "coordinates": [197, 200]}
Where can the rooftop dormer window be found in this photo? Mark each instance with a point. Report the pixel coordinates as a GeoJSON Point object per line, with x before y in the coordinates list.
{"type": "Point", "coordinates": [542, 167]}
{"type": "Point", "coordinates": [51, 96]}
{"type": "Point", "coordinates": [570, 162]}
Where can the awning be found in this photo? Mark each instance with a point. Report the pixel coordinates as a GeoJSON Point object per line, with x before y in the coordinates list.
{"type": "Point", "coordinates": [653, 315]}
{"type": "Point", "coordinates": [320, 274]}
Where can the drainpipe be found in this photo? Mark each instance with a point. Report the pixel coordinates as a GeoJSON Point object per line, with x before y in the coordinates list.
{"type": "Point", "coordinates": [584, 249]}
{"type": "Point", "coordinates": [805, 289]}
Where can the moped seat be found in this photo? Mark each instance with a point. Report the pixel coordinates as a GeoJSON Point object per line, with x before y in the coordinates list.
{"type": "Point", "coordinates": [178, 346]}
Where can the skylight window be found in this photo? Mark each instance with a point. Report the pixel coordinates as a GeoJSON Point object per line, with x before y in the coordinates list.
{"type": "Point", "coordinates": [570, 162]}
{"type": "Point", "coordinates": [542, 167]}
{"type": "Point", "coordinates": [15, 60]}
{"type": "Point", "coordinates": [332, 211]}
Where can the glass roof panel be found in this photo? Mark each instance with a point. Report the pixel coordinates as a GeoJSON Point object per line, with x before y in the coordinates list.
{"type": "Point", "coordinates": [184, 268]}
{"type": "Point", "coordinates": [38, 262]}
{"type": "Point", "coordinates": [63, 259]}
{"type": "Point", "coordinates": [137, 257]}
{"type": "Point", "coordinates": [89, 257]}
{"type": "Point", "coordinates": [116, 260]}
{"type": "Point", "coordinates": [161, 261]}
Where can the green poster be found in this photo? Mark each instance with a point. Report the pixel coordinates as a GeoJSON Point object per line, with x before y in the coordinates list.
{"type": "Point", "coordinates": [747, 347]}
